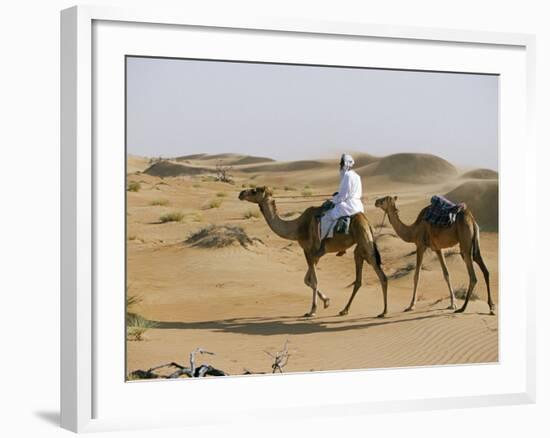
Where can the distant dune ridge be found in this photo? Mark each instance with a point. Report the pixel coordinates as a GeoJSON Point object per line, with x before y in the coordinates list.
{"type": "Point", "coordinates": [482, 198]}
{"type": "Point", "coordinates": [481, 174]}
{"type": "Point", "coordinates": [410, 167]}
{"type": "Point", "coordinates": [289, 166]}
{"type": "Point", "coordinates": [227, 158]}
{"type": "Point", "coordinates": [167, 168]}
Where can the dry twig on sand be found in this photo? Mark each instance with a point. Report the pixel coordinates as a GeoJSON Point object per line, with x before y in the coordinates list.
{"type": "Point", "coordinates": [191, 371]}
{"type": "Point", "coordinates": [280, 359]}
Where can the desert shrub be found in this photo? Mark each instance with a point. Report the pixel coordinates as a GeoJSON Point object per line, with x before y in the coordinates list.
{"type": "Point", "coordinates": [196, 185]}
{"type": "Point", "coordinates": [221, 194]}
{"type": "Point", "coordinates": [307, 192]}
{"type": "Point", "coordinates": [134, 186]}
{"type": "Point", "coordinates": [220, 236]}
{"type": "Point", "coordinates": [136, 326]}
{"type": "Point", "coordinates": [288, 188]}
{"type": "Point", "coordinates": [194, 216]}
{"type": "Point", "coordinates": [174, 216]}
{"type": "Point", "coordinates": [214, 203]}
{"type": "Point", "coordinates": [251, 214]}
{"type": "Point", "coordinates": [159, 202]}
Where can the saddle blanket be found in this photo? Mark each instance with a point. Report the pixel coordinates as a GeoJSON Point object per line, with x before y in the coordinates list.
{"type": "Point", "coordinates": [339, 226]}
{"type": "Point", "coordinates": [442, 212]}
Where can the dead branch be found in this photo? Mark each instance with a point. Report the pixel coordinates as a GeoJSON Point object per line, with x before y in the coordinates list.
{"type": "Point", "coordinates": [280, 358]}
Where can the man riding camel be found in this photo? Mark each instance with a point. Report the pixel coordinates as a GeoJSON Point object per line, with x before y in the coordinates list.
{"type": "Point", "coordinates": [345, 202]}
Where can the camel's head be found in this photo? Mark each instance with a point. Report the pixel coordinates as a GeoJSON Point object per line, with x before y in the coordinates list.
{"type": "Point", "coordinates": [256, 195]}
{"type": "Point", "coordinates": [386, 202]}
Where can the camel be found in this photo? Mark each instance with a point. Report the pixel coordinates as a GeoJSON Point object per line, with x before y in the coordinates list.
{"type": "Point", "coordinates": [302, 230]}
{"type": "Point", "coordinates": [464, 231]}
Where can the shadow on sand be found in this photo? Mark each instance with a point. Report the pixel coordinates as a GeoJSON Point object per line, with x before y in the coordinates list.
{"type": "Point", "coordinates": [296, 325]}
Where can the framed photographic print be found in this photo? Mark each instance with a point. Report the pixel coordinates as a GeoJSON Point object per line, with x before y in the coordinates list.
{"type": "Point", "coordinates": [258, 208]}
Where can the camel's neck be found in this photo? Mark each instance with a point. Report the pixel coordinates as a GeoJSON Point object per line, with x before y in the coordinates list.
{"type": "Point", "coordinates": [405, 232]}
{"type": "Point", "coordinates": [285, 229]}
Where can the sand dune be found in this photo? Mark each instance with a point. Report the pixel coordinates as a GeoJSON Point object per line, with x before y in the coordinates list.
{"type": "Point", "coordinates": [226, 159]}
{"type": "Point", "coordinates": [290, 166]}
{"type": "Point", "coordinates": [411, 167]}
{"type": "Point", "coordinates": [482, 198]}
{"type": "Point", "coordinates": [221, 279]}
{"type": "Point", "coordinates": [481, 174]}
{"type": "Point", "coordinates": [136, 164]}
{"type": "Point", "coordinates": [167, 168]}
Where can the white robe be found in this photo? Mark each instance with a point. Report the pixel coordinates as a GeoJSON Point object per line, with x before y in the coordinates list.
{"type": "Point", "coordinates": [346, 203]}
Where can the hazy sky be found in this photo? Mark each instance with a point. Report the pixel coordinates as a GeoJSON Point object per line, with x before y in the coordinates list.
{"type": "Point", "coordinates": [286, 112]}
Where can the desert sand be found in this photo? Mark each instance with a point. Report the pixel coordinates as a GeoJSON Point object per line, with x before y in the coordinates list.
{"type": "Point", "coordinates": [242, 300]}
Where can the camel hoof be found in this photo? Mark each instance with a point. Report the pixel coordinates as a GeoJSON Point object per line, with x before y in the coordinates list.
{"type": "Point", "coordinates": [309, 314]}
{"type": "Point", "coordinates": [382, 315]}
{"type": "Point", "coordinates": [326, 303]}
{"type": "Point", "coordinates": [492, 312]}
{"type": "Point", "coordinates": [452, 307]}
{"type": "Point", "coordinates": [343, 312]}
{"type": "Point", "coordinates": [461, 310]}
{"type": "Point", "coordinates": [408, 309]}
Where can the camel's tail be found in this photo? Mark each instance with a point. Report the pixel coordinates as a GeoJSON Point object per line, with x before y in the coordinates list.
{"type": "Point", "coordinates": [377, 255]}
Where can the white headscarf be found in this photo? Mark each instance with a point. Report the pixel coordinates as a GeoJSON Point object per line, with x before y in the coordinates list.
{"type": "Point", "coordinates": [347, 162]}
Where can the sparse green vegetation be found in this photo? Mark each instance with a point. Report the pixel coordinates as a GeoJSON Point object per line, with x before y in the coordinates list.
{"type": "Point", "coordinates": [159, 202]}
{"type": "Point", "coordinates": [136, 325]}
{"type": "Point", "coordinates": [307, 192]}
{"type": "Point", "coordinates": [174, 216]}
{"type": "Point", "coordinates": [134, 186]}
{"type": "Point", "coordinates": [251, 214]}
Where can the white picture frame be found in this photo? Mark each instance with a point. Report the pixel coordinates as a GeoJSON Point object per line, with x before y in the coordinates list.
{"type": "Point", "coordinates": [85, 403]}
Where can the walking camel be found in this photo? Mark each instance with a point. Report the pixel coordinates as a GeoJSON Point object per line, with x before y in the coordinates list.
{"type": "Point", "coordinates": [464, 231]}
{"type": "Point", "coordinates": [302, 230]}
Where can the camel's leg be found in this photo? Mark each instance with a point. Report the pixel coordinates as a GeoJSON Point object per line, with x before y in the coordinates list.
{"type": "Point", "coordinates": [358, 279]}
{"type": "Point", "coordinates": [419, 257]}
{"type": "Point", "coordinates": [311, 281]}
{"type": "Point", "coordinates": [479, 260]}
{"type": "Point", "coordinates": [473, 280]}
{"type": "Point", "coordinates": [447, 278]}
{"type": "Point", "coordinates": [383, 283]}
{"type": "Point", "coordinates": [324, 298]}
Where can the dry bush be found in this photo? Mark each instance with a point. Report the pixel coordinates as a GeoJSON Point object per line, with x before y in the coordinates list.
{"type": "Point", "coordinates": [220, 236]}
{"type": "Point", "coordinates": [174, 216]}
{"type": "Point", "coordinates": [307, 192]}
{"type": "Point", "coordinates": [159, 202]}
{"type": "Point", "coordinates": [134, 186]}
{"type": "Point", "coordinates": [214, 203]}
{"type": "Point", "coordinates": [251, 214]}
{"type": "Point", "coordinates": [221, 194]}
